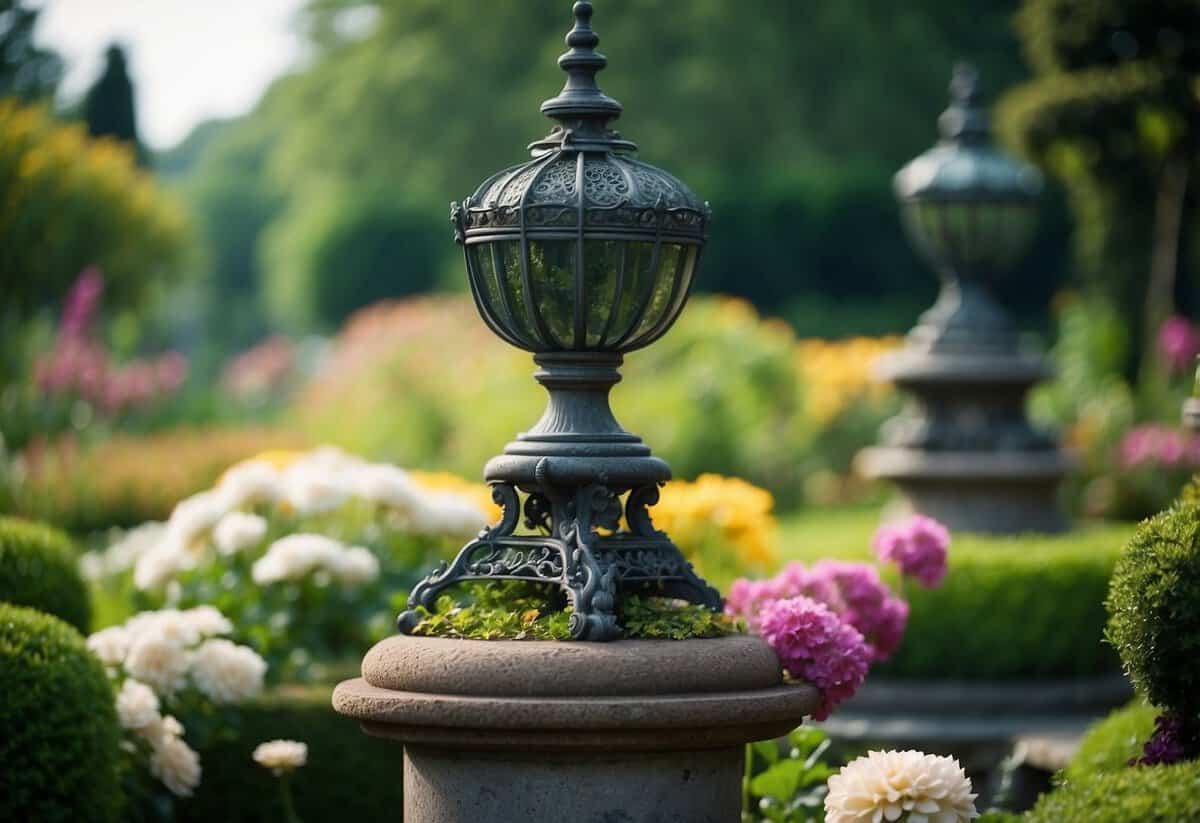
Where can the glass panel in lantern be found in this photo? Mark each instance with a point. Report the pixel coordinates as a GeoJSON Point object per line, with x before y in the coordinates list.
{"type": "Point", "coordinates": [552, 273]}
{"type": "Point", "coordinates": [509, 254]}
{"type": "Point", "coordinates": [482, 270]}
{"type": "Point", "coordinates": [635, 293]}
{"type": "Point", "coordinates": [671, 260]}
{"type": "Point", "coordinates": [605, 271]}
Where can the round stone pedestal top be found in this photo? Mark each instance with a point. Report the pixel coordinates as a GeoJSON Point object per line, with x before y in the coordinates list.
{"type": "Point", "coordinates": [630, 695]}
{"type": "Point", "coordinates": [522, 668]}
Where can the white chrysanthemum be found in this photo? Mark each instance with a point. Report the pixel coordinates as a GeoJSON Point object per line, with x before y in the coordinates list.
{"type": "Point", "coordinates": [174, 763]}
{"type": "Point", "coordinates": [252, 481]}
{"type": "Point", "coordinates": [443, 513]}
{"type": "Point", "coordinates": [171, 625]}
{"type": "Point", "coordinates": [162, 563]}
{"type": "Point", "coordinates": [237, 531]}
{"type": "Point", "coordinates": [157, 662]}
{"type": "Point", "coordinates": [110, 645]}
{"type": "Point", "coordinates": [227, 672]}
{"type": "Point", "coordinates": [207, 621]}
{"type": "Point", "coordinates": [357, 566]}
{"type": "Point", "coordinates": [319, 481]}
{"type": "Point", "coordinates": [904, 786]}
{"type": "Point", "coordinates": [194, 517]}
{"type": "Point", "coordinates": [294, 556]}
{"type": "Point", "coordinates": [388, 485]}
{"type": "Point", "coordinates": [137, 705]}
{"type": "Point", "coordinates": [161, 728]}
{"type": "Point", "coordinates": [281, 756]}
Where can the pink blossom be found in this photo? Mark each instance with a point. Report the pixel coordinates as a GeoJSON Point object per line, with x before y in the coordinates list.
{"type": "Point", "coordinates": [1179, 343]}
{"type": "Point", "coordinates": [866, 603]}
{"type": "Point", "coordinates": [918, 546]}
{"type": "Point", "coordinates": [82, 302]}
{"type": "Point", "coordinates": [1154, 444]}
{"type": "Point", "coordinates": [813, 644]}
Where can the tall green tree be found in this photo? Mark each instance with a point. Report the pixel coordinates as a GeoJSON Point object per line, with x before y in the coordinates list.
{"type": "Point", "coordinates": [109, 107]}
{"type": "Point", "coordinates": [26, 70]}
{"type": "Point", "coordinates": [1114, 112]}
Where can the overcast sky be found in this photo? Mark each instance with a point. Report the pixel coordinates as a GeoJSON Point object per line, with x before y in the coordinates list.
{"type": "Point", "coordinates": [190, 60]}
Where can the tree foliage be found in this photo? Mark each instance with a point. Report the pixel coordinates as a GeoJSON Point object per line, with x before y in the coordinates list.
{"type": "Point", "coordinates": [27, 70]}
{"type": "Point", "coordinates": [1114, 112]}
{"type": "Point", "coordinates": [66, 202]}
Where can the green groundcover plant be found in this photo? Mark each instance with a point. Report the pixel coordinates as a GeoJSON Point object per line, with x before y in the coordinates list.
{"type": "Point", "coordinates": [1147, 794]}
{"type": "Point", "coordinates": [38, 569]}
{"type": "Point", "coordinates": [58, 727]}
{"type": "Point", "coordinates": [1110, 744]}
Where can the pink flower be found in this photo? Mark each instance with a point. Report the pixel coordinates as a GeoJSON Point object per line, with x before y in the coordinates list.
{"type": "Point", "coordinates": [1157, 445]}
{"type": "Point", "coordinates": [813, 644]}
{"type": "Point", "coordinates": [81, 303]}
{"type": "Point", "coordinates": [747, 598]}
{"type": "Point", "coordinates": [917, 546]}
{"type": "Point", "coordinates": [866, 603]}
{"type": "Point", "coordinates": [1179, 343]}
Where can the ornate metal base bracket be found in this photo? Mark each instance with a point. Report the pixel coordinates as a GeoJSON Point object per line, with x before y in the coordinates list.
{"type": "Point", "coordinates": [569, 551]}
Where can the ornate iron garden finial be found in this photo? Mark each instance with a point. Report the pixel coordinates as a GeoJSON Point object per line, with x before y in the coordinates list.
{"type": "Point", "coordinates": [579, 255]}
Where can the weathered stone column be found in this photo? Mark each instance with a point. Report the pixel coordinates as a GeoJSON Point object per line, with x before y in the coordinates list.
{"type": "Point", "coordinates": [634, 731]}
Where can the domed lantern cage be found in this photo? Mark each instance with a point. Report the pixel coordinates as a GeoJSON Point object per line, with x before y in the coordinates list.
{"type": "Point", "coordinates": [579, 255]}
{"type": "Point", "coordinates": [971, 210]}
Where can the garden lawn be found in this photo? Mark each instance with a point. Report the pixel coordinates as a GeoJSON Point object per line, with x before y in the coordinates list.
{"type": "Point", "coordinates": [1011, 607]}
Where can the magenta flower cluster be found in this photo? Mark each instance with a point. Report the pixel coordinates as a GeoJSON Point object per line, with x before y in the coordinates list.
{"type": "Point", "coordinates": [853, 592]}
{"type": "Point", "coordinates": [815, 645]}
{"type": "Point", "coordinates": [1169, 743]}
{"type": "Point", "coordinates": [918, 546]}
{"type": "Point", "coordinates": [1179, 343]}
{"type": "Point", "coordinates": [1159, 446]}
{"type": "Point", "coordinates": [80, 367]}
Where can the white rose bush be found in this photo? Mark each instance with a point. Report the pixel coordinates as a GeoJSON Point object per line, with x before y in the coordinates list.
{"type": "Point", "coordinates": [176, 682]}
{"type": "Point", "coordinates": [304, 554]}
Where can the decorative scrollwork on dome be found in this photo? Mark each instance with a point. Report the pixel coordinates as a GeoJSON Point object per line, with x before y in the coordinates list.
{"type": "Point", "coordinates": [556, 184]}
{"type": "Point", "coordinates": [604, 184]}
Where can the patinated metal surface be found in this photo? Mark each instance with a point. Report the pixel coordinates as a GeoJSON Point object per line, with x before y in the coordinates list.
{"type": "Point", "coordinates": [579, 255]}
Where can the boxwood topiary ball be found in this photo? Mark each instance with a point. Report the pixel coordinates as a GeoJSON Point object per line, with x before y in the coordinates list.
{"type": "Point", "coordinates": [1145, 794]}
{"type": "Point", "coordinates": [59, 738]}
{"type": "Point", "coordinates": [1154, 609]}
{"type": "Point", "coordinates": [39, 569]}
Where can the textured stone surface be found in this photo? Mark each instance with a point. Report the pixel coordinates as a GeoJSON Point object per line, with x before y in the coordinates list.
{"type": "Point", "coordinates": [540, 669]}
{"type": "Point", "coordinates": [543, 732]}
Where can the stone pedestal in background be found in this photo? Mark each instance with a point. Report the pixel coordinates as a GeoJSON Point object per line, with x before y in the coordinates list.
{"type": "Point", "coordinates": [633, 731]}
{"type": "Point", "coordinates": [1191, 413]}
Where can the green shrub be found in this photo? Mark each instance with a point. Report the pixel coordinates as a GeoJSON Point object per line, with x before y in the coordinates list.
{"type": "Point", "coordinates": [58, 728]}
{"type": "Point", "coordinates": [1111, 743]}
{"type": "Point", "coordinates": [1139, 794]}
{"type": "Point", "coordinates": [38, 569]}
{"type": "Point", "coordinates": [1154, 607]}
{"type": "Point", "coordinates": [349, 776]}
{"type": "Point", "coordinates": [999, 817]}
{"type": "Point", "coordinates": [1011, 607]}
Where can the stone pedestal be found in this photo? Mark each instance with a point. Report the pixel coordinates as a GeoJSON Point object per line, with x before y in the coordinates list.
{"type": "Point", "coordinates": [634, 731]}
{"type": "Point", "coordinates": [962, 450]}
{"type": "Point", "coordinates": [1191, 413]}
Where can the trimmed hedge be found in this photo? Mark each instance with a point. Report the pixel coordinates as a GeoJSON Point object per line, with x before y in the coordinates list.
{"type": "Point", "coordinates": [1139, 794]}
{"type": "Point", "coordinates": [349, 776]}
{"type": "Point", "coordinates": [39, 569]}
{"type": "Point", "coordinates": [59, 738]}
{"type": "Point", "coordinates": [1111, 743]}
{"type": "Point", "coordinates": [1154, 605]}
{"type": "Point", "coordinates": [1010, 608]}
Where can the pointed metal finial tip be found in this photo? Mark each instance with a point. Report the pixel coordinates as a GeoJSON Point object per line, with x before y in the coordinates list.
{"type": "Point", "coordinates": [582, 36]}
{"type": "Point", "coordinates": [964, 82]}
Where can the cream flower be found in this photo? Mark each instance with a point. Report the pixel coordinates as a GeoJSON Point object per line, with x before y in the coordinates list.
{"type": "Point", "coordinates": [171, 625]}
{"type": "Point", "coordinates": [294, 556]}
{"type": "Point", "coordinates": [157, 662]}
{"type": "Point", "coordinates": [137, 705]}
{"type": "Point", "coordinates": [161, 564]}
{"type": "Point", "coordinates": [174, 763]}
{"type": "Point", "coordinates": [388, 485]}
{"type": "Point", "coordinates": [161, 728]}
{"type": "Point", "coordinates": [357, 566]}
{"type": "Point", "coordinates": [252, 481]}
{"type": "Point", "coordinates": [110, 645]}
{"type": "Point", "coordinates": [227, 672]}
{"type": "Point", "coordinates": [207, 621]}
{"type": "Point", "coordinates": [908, 786]}
{"type": "Point", "coordinates": [193, 517]}
{"type": "Point", "coordinates": [281, 756]}
{"type": "Point", "coordinates": [237, 531]}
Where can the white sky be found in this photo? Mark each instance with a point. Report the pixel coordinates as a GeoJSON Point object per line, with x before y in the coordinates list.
{"type": "Point", "coordinates": [190, 60]}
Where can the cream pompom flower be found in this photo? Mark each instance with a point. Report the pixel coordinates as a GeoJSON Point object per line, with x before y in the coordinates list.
{"type": "Point", "coordinates": [237, 531]}
{"type": "Point", "coordinates": [159, 663]}
{"type": "Point", "coordinates": [137, 705]}
{"type": "Point", "coordinates": [110, 645]}
{"type": "Point", "coordinates": [907, 786]}
{"type": "Point", "coordinates": [226, 672]}
{"type": "Point", "coordinates": [281, 756]}
{"type": "Point", "coordinates": [175, 763]}
{"type": "Point", "coordinates": [159, 729]}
